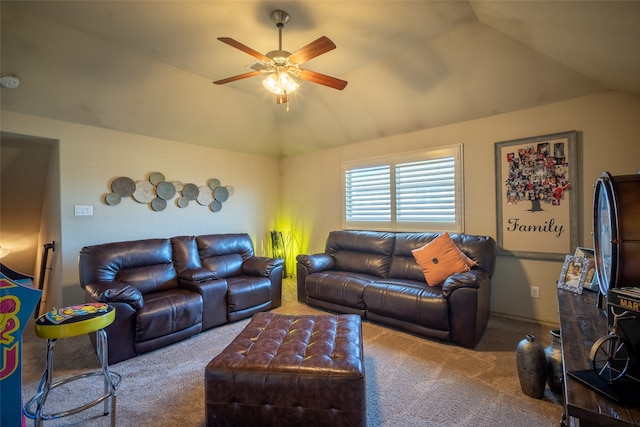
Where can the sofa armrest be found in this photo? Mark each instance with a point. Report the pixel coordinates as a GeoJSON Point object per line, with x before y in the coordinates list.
{"type": "Point", "coordinates": [308, 264]}
{"type": "Point", "coordinates": [110, 292]}
{"type": "Point", "coordinates": [468, 279]}
{"type": "Point", "coordinates": [196, 275]}
{"type": "Point", "coordinates": [469, 298]}
{"type": "Point", "coordinates": [316, 262]}
{"type": "Point", "coordinates": [260, 266]}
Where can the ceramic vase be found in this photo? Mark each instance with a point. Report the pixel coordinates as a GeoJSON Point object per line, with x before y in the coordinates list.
{"type": "Point", "coordinates": [553, 355]}
{"type": "Point", "coordinates": [532, 367]}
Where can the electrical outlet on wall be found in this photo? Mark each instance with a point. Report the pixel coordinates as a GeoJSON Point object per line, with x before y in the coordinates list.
{"type": "Point", "coordinates": [535, 291]}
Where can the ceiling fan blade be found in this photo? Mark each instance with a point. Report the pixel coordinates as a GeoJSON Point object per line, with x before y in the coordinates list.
{"type": "Point", "coordinates": [244, 48]}
{"type": "Point", "coordinates": [238, 77]}
{"type": "Point", "coordinates": [322, 79]}
{"type": "Point", "coordinates": [313, 49]}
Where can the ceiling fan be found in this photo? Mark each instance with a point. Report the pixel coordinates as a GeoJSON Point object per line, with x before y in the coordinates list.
{"type": "Point", "coordinates": [282, 66]}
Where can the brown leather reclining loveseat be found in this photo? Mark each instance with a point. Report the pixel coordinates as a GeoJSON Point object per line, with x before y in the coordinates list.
{"type": "Point", "coordinates": [165, 290]}
{"type": "Point", "coordinates": [375, 275]}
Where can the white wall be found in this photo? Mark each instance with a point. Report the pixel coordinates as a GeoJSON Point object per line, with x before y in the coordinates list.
{"type": "Point", "coordinates": [90, 158]}
{"type": "Point", "coordinates": [608, 126]}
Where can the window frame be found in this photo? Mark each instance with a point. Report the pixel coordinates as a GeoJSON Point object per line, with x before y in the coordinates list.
{"type": "Point", "coordinates": [457, 226]}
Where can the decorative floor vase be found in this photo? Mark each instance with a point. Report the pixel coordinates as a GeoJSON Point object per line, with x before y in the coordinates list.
{"type": "Point", "coordinates": [553, 354]}
{"type": "Point", "coordinates": [532, 367]}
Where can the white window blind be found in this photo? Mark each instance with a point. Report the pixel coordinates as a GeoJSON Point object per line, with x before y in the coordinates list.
{"type": "Point", "coordinates": [368, 194]}
{"type": "Point", "coordinates": [426, 191]}
{"type": "Point", "coordinates": [406, 192]}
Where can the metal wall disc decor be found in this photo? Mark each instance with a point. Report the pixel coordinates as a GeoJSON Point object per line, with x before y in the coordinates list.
{"type": "Point", "coordinates": [156, 190]}
{"type": "Point", "coordinates": [215, 206]}
{"type": "Point", "coordinates": [123, 186]}
{"type": "Point", "coordinates": [221, 194]}
{"type": "Point", "coordinates": [204, 196]}
{"type": "Point", "coordinates": [158, 204]}
{"type": "Point", "coordinates": [165, 190]}
{"type": "Point", "coordinates": [112, 199]}
{"type": "Point", "coordinates": [190, 191]}
{"type": "Point", "coordinates": [182, 202]}
{"type": "Point", "coordinates": [145, 192]}
{"type": "Point", "coordinates": [156, 177]}
{"type": "Point", "coordinates": [213, 183]}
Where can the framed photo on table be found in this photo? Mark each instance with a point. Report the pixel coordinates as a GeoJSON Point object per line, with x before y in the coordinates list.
{"type": "Point", "coordinates": [537, 208]}
{"type": "Point", "coordinates": [591, 280]}
{"type": "Point", "coordinates": [573, 274]}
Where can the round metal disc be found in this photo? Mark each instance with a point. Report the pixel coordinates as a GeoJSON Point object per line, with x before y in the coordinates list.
{"type": "Point", "coordinates": [230, 189]}
{"type": "Point", "coordinates": [156, 177]}
{"type": "Point", "coordinates": [112, 199]}
{"type": "Point", "coordinates": [144, 192]}
{"type": "Point", "coordinates": [204, 196]}
{"type": "Point", "coordinates": [165, 190]}
{"type": "Point", "coordinates": [182, 202]}
{"type": "Point", "coordinates": [123, 186]}
{"type": "Point", "coordinates": [178, 185]}
{"type": "Point", "coordinates": [215, 206]}
{"type": "Point", "coordinates": [190, 191]}
{"type": "Point", "coordinates": [221, 194]}
{"type": "Point", "coordinates": [158, 204]}
{"type": "Point", "coordinates": [213, 183]}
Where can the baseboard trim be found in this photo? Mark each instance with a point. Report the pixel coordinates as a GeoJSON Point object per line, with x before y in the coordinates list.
{"type": "Point", "coordinates": [524, 319]}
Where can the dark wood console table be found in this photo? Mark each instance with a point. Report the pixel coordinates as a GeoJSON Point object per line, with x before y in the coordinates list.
{"type": "Point", "coordinates": [581, 324]}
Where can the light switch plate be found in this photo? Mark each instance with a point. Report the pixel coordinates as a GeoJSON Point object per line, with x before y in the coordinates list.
{"type": "Point", "coordinates": [83, 210]}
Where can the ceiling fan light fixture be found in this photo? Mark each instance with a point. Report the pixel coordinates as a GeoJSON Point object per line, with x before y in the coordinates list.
{"type": "Point", "coordinates": [281, 66]}
{"type": "Point", "coordinates": [280, 83]}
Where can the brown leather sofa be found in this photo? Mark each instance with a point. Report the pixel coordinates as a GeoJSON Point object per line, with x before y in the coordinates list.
{"type": "Point", "coordinates": [165, 290]}
{"type": "Point", "coordinates": [375, 275]}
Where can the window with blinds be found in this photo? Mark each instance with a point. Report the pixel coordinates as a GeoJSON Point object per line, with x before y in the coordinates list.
{"type": "Point", "coordinates": [368, 193]}
{"type": "Point", "coordinates": [406, 192]}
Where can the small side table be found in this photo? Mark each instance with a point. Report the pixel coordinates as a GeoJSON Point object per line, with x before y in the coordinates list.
{"type": "Point", "coordinates": [65, 323]}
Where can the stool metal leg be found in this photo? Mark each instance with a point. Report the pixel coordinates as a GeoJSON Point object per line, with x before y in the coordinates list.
{"type": "Point", "coordinates": [45, 384]}
{"type": "Point", "coordinates": [111, 383]}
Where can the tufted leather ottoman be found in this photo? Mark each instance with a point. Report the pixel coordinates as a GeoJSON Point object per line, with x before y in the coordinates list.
{"type": "Point", "coordinates": [289, 370]}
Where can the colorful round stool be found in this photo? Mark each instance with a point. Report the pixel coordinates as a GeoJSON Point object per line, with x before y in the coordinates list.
{"type": "Point", "coordinates": [66, 323]}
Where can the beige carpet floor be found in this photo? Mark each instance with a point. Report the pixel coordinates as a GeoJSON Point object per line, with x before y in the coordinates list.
{"type": "Point", "coordinates": [411, 381]}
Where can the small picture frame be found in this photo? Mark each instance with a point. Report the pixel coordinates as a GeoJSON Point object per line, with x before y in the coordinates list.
{"type": "Point", "coordinates": [591, 280]}
{"type": "Point", "coordinates": [573, 274]}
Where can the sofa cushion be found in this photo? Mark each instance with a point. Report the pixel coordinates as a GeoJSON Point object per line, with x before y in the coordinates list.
{"type": "Point", "coordinates": [167, 312]}
{"type": "Point", "coordinates": [247, 291]}
{"type": "Point", "coordinates": [224, 265]}
{"type": "Point", "coordinates": [185, 253]}
{"type": "Point", "coordinates": [147, 265]}
{"type": "Point", "coordinates": [409, 301]}
{"type": "Point", "coordinates": [440, 258]}
{"type": "Point", "coordinates": [149, 278]}
{"type": "Point", "coordinates": [366, 252]}
{"type": "Point", "coordinates": [224, 254]}
{"type": "Point", "coordinates": [338, 287]}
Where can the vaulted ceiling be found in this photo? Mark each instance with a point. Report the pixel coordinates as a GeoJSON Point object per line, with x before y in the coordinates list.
{"type": "Point", "coordinates": [146, 67]}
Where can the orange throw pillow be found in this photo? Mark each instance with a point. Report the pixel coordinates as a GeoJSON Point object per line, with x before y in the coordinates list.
{"type": "Point", "coordinates": [440, 258]}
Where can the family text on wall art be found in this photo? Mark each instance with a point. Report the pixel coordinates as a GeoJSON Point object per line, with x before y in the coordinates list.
{"type": "Point", "coordinates": [536, 211]}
